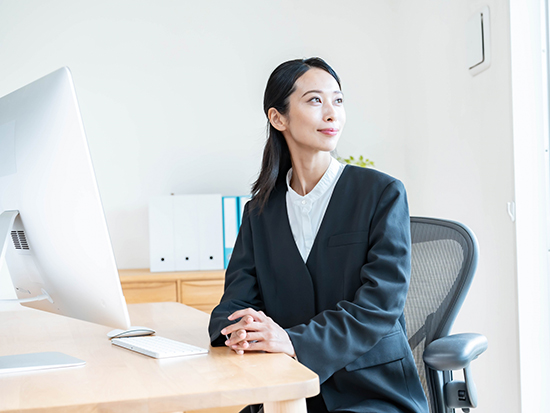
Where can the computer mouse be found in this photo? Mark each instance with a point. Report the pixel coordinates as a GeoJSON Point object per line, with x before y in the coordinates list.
{"type": "Point", "coordinates": [133, 331]}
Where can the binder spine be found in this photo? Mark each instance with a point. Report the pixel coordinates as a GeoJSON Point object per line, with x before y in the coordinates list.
{"type": "Point", "coordinates": [242, 202]}
{"type": "Point", "coordinates": [230, 210]}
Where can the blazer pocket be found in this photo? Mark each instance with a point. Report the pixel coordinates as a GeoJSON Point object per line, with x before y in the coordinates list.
{"type": "Point", "coordinates": [348, 238]}
{"type": "Point", "coordinates": [392, 347]}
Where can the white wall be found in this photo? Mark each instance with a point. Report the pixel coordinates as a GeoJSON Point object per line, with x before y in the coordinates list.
{"type": "Point", "coordinates": [531, 141]}
{"type": "Point", "coordinates": [458, 139]}
{"type": "Point", "coordinates": [171, 93]}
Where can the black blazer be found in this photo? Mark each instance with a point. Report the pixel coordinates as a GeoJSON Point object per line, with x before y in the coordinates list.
{"type": "Point", "coordinates": [343, 308]}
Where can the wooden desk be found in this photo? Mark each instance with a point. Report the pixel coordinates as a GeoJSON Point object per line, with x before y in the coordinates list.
{"type": "Point", "coordinates": [119, 380]}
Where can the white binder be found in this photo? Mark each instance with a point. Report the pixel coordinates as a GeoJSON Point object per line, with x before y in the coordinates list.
{"type": "Point", "coordinates": [242, 202]}
{"type": "Point", "coordinates": [185, 233]}
{"type": "Point", "coordinates": [210, 232]}
{"type": "Point", "coordinates": [161, 234]}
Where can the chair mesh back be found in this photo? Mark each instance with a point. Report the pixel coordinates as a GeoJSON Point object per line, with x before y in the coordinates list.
{"type": "Point", "coordinates": [440, 275]}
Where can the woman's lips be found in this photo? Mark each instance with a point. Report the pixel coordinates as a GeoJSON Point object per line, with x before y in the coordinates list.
{"type": "Point", "coordinates": [329, 131]}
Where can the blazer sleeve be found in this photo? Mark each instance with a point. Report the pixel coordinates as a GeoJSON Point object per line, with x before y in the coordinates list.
{"type": "Point", "coordinates": [241, 287]}
{"type": "Point", "coordinates": [334, 338]}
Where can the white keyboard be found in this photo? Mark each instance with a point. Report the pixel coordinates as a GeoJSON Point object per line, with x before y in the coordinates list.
{"type": "Point", "coordinates": [158, 347]}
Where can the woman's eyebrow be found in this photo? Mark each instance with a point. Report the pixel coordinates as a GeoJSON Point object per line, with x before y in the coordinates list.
{"type": "Point", "coordinates": [320, 91]}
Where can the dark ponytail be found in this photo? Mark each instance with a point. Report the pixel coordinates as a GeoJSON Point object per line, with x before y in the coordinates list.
{"type": "Point", "coordinates": [276, 159]}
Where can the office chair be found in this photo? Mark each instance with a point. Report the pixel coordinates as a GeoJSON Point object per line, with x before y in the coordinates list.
{"type": "Point", "coordinates": [444, 259]}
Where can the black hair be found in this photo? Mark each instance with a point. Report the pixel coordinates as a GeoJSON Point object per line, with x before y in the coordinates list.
{"type": "Point", "coordinates": [276, 158]}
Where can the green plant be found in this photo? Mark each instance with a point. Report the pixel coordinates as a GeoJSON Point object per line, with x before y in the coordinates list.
{"type": "Point", "coordinates": [362, 162]}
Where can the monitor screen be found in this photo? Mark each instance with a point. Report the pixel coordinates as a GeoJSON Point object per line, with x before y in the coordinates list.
{"type": "Point", "coordinates": [52, 225]}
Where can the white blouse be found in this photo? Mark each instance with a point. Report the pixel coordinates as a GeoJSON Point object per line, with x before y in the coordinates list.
{"type": "Point", "coordinates": [305, 213]}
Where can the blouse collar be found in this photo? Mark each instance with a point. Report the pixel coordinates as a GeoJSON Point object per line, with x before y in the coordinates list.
{"type": "Point", "coordinates": [328, 179]}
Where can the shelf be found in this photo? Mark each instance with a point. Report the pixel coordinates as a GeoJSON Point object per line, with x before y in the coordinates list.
{"type": "Point", "coordinates": [198, 289]}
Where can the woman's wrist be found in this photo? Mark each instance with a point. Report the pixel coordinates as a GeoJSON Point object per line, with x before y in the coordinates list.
{"type": "Point", "coordinates": [290, 351]}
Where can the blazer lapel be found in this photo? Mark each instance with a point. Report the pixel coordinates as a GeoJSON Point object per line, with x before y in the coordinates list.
{"type": "Point", "coordinates": [324, 270]}
{"type": "Point", "coordinates": [291, 271]}
{"type": "Point", "coordinates": [329, 221]}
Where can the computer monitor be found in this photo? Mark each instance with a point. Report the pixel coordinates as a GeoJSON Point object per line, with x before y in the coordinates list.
{"type": "Point", "coordinates": [53, 231]}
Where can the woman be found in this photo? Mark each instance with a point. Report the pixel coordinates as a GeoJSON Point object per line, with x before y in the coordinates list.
{"type": "Point", "coordinates": [321, 266]}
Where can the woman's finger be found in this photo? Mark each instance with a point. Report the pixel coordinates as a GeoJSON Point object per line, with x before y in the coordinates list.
{"type": "Point", "coordinates": [243, 325]}
{"type": "Point", "coordinates": [241, 313]}
{"type": "Point", "coordinates": [243, 345]}
{"type": "Point", "coordinates": [254, 336]}
{"type": "Point", "coordinates": [257, 346]}
{"type": "Point", "coordinates": [240, 325]}
{"type": "Point", "coordinates": [236, 337]}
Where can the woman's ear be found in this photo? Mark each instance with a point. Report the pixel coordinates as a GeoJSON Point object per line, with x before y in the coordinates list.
{"type": "Point", "coordinates": [277, 120]}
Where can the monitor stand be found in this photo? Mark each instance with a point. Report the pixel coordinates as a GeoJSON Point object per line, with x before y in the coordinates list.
{"type": "Point", "coordinates": [7, 219]}
{"type": "Point", "coordinates": [37, 361]}
{"type": "Point", "coordinates": [32, 361]}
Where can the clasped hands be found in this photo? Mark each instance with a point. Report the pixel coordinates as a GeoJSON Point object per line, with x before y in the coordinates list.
{"type": "Point", "coordinates": [256, 332]}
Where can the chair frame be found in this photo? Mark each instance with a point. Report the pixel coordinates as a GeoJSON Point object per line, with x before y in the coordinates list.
{"type": "Point", "coordinates": [438, 379]}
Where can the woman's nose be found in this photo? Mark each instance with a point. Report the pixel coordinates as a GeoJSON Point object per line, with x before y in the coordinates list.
{"type": "Point", "coordinates": [330, 113]}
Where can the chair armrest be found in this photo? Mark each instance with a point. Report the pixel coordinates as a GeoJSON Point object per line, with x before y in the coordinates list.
{"type": "Point", "coordinates": [454, 352]}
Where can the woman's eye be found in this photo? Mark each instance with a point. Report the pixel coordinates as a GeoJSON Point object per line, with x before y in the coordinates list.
{"type": "Point", "coordinates": [340, 100]}
{"type": "Point", "coordinates": [315, 99]}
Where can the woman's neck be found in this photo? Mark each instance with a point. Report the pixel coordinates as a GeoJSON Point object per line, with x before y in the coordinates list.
{"type": "Point", "coordinates": [308, 171]}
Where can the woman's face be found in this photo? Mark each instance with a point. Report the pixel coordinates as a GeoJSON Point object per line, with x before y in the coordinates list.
{"type": "Point", "coordinates": [316, 114]}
